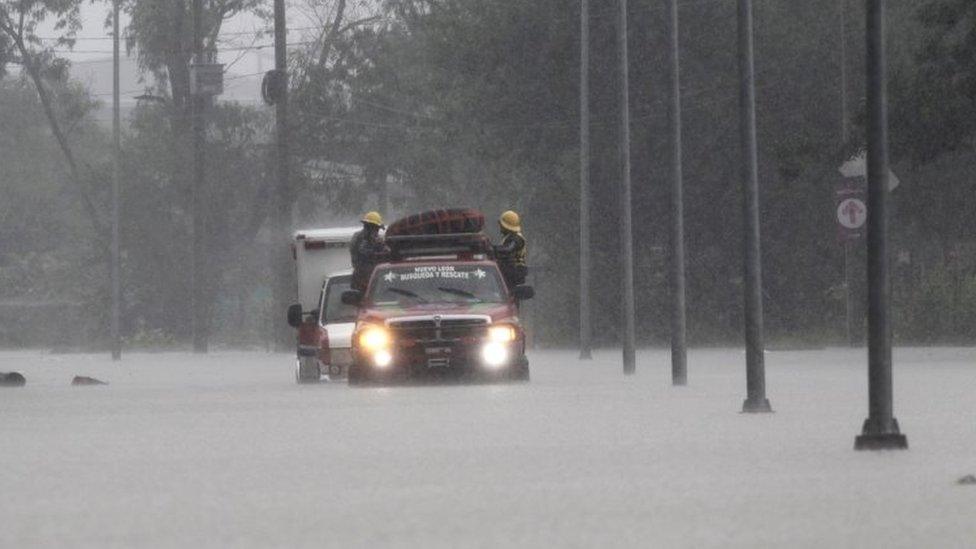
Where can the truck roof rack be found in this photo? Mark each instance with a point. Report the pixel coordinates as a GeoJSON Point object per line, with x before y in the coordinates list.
{"type": "Point", "coordinates": [411, 246]}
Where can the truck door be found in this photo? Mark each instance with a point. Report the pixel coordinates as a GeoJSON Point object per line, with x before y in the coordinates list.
{"type": "Point", "coordinates": [339, 321]}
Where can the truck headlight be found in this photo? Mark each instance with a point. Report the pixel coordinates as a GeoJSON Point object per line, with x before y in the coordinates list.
{"type": "Point", "coordinates": [494, 354]}
{"type": "Point", "coordinates": [501, 333]}
{"type": "Point", "coordinates": [382, 358]}
{"type": "Point", "coordinates": [374, 338]}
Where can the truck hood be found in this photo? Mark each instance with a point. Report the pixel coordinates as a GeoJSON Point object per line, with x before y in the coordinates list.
{"type": "Point", "coordinates": [496, 311]}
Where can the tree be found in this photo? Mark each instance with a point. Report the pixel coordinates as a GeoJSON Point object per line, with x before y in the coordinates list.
{"type": "Point", "coordinates": [50, 266]}
{"type": "Point", "coordinates": [934, 122]}
{"type": "Point", "coordinates": [476, 102]}
{"type": "Point", "coordinates": [162, 32]}
{"type": "Point", "coordinates": [19, 21]}
{"type": "Point", "coordinates": [157, 220]}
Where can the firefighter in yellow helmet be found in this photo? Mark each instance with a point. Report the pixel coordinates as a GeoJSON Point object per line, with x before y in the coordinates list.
{"type": "Point", "coordinates": [511, 252]}
{"type": "Point", "coordinates": [366, 250]}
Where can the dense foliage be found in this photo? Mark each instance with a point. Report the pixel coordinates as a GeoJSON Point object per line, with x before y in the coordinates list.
{"type": "Point", "coordinates": [474, 102]}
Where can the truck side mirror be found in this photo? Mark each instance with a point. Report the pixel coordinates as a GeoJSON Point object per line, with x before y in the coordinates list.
{"type": "Point", "coordinates": [295, 315]}
{"type": "Point", "coordinates": [352, 297]}
{"type": "Point", "coordinates": [524, 292]}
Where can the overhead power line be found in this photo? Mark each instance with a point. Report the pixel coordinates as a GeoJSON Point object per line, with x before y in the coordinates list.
{"type": "Point", "coordinates": [227, 49]}
{"type": "Point", "coordinates": [226, 79]}
{"type": "Point", "coordinates": [605, 14]}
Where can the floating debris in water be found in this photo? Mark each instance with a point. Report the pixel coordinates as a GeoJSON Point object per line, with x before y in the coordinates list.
{"type": "Point", "coordinates": [85, 380]}
{"type": "Point", "coordinates": [12, 379]}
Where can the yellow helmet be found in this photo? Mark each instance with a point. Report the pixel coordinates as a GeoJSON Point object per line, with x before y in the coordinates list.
{"type": "Point", "coordinates": [373, 218]}
{"type": "Point", "coordinates": [510, 221]}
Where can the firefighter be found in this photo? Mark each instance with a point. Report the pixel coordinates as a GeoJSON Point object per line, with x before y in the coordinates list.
{"type": "Point", "coordinates": [366, 250]}
{"type": "Point", "coordinates": [510, 253]}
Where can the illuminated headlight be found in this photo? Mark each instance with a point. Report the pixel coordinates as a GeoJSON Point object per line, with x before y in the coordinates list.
{"type": "Point", "coordinates": [382, 358]}
{"type": "Point", "coordinates": [495, 354]}
{"type": "Point", "coordinates": [374, 338]}
{"type": "Point", "coordinates": [501, 334]}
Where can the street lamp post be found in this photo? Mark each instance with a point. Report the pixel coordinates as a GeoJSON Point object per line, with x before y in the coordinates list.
{"type": "Point", "coordinates": [627, 263]}
{"type": "Point", "coordinates": [880, 429]}
{"type": "Point", "coordinates": [679, 352]}
{"type": "Point", "coordinates": [585, 328]}
{"type": "Point", "coordinates": [281, 210]}
{"type": "Point", "coordinates": [116, 189]}
{"type": "Point", "coordinates": [756, 401]}
{"type": "Point", "coordinates": [199, 277]}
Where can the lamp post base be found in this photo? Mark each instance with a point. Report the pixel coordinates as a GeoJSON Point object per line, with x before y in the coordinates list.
{"type": "Point", "coordinates": [881, 435]}
{"type": "Point", "coordinates": [756, 406]}
{"type": "Point", "coordinates": [888, 441]}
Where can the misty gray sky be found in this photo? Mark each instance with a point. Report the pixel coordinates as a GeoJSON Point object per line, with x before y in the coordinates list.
{"type": "Point", "coordinates": [92, 52]}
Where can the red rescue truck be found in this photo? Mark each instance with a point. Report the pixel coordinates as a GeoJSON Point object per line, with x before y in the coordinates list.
{"type": "Point", "coordinates": [438, 307]}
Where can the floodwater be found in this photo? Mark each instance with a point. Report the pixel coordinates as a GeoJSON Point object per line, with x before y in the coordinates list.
{"type": "Point", "coordinates": [225, 450]}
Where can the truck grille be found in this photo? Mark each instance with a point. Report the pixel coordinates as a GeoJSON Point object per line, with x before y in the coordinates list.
{"type": "Point", "coordinates": [446, 329]}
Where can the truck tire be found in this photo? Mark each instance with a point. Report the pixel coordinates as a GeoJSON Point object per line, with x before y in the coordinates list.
{"type": "Point", "coordinates": [521, 371]}
{"type": "Point", "coordinates": [307, 370]}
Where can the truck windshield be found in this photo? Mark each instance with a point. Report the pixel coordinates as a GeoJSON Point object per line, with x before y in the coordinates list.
{"type": "Point", "coordinates": [418, 284]}
{"type": "Point", "coordinates": [334, 309]}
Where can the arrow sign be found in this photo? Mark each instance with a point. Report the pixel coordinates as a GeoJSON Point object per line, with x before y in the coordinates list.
{"type": "Point", "coordinates": [857, 166]}
{"type": "Point", "coordinates": [851, 212]}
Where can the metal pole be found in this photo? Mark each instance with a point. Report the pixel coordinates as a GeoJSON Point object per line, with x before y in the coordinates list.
{"type": "Point", "coordinates": [281, 212]}
{"type": "Point", "coordinates": [844, 136]}
{"type": "Point", "coordinates": [586, 333]}
{"type": "Point", "coordinates": [756, 401]}
{"type": "Point", "coordinates": [629, 353]}
{"type": "Point", "coordinates": [880, 428]}
{"type": "Point", "coordinates": [679, 360]}
{"type": "Point", "coordinates": [844, 115]}
{"type": "Point", "coordinates": [116, 186]}
{"type": "Point", "coordinates": [849, 290]}
{"type": "Point", "coordinates": [199, 276]}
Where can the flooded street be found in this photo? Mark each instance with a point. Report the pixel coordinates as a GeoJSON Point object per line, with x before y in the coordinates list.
{"type": "Point", "coordinates": [225, 450]}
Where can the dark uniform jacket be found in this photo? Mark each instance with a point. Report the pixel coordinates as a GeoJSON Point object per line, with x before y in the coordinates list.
{"type": "Point", "coordinates": [510, 255]}
{"type": "Point", "coordinates": [365, 250]}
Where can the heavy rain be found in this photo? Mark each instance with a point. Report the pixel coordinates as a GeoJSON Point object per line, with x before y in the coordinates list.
{"type": "Point", "coordinates": [479, 273]}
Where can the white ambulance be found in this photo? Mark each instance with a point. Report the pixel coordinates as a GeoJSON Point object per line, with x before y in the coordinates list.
{"type": "Point", "coordinates": [324, 323]}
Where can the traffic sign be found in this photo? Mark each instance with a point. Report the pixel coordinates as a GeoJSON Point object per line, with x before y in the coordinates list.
{"type": "Point", "coordinates": [857, 167]}
{"type": "Point", "coordinates": [851, 212]}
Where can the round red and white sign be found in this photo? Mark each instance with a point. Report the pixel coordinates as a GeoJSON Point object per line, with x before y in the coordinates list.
{"type": "Point", "coordinates": [852, 213]}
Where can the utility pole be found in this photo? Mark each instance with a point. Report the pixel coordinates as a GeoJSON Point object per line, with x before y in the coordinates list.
{"type": "Point", "coordinates": [756, 401]}
{"type": "Point", "coordinates": [199, 274]}
{"type": "Point", "coordinates": [679, 351]}
{"type": "Point", "coordinates": [116, 187]}
{"type": "Point", "coordinates": [880, 431]}
{"type": "Point", "coordinates": [844, 114]}
{"type": "Point", "coordinates": [586, 331]}
{"type": "Point", "coordinates": [627, 307]}
{"type": "Point", "coordinates": [844, 137]}
{"type": "Point", "coordinates": [281, 212]}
